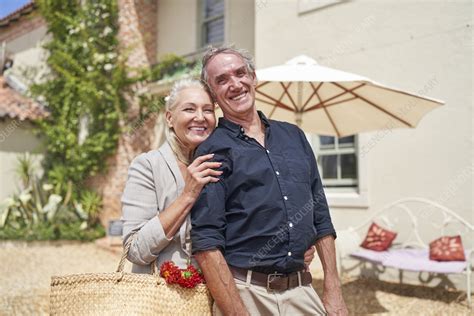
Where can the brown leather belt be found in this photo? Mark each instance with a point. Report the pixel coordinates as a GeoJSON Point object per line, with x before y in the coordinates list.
{"type": "Point", "coordinates": [274, 281]}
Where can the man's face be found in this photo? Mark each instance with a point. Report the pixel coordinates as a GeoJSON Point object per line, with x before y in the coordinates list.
{"type": "Point", "coordinates": [232, 84]}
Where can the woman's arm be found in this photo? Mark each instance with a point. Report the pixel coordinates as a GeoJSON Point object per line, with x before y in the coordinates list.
{"type": "Point", "coordinates": [139, 210]}
{"type": "Point", "coordinates": [196, 176]}
{"type": "Point", "coordinates": [154, 230]}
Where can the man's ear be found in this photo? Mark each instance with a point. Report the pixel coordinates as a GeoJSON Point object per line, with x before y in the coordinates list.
{"type": "Point", "coordinates": [254, 81]}
{"type": "Point", "coordinates": [169, 119]}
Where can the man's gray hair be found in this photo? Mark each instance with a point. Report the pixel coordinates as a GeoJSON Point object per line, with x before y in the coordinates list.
{"type": "Point", "coordinates": [211, 52]}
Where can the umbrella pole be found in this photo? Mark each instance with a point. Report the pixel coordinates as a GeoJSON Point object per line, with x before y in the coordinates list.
{"type": "Point", "coordinates": [298, 113]}
{"type": "Point", "coordinates": [298, 118]}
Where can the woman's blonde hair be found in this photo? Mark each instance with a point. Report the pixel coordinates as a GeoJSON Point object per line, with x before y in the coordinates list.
{"type": "Point", "coordinates": [170, 104]}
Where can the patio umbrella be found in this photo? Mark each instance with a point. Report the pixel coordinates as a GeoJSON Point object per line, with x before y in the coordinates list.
{"type": "Point", "coordinates": [331, 102]}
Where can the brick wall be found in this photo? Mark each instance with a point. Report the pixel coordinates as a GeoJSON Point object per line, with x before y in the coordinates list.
{"type": "Point", "coordinates": [138, 37]}
{"type": "Point", "coordinates": [138, 30]}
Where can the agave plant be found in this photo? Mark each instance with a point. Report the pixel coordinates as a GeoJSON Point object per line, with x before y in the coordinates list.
{"type": "Point", "coordinates": [6, 208]}
{"type": "Point", "coordinates": [41, 204]}
{"type": "Point", "coordinates": [88, 208]}
{"type": "Point", "coordinates": [25, 169]}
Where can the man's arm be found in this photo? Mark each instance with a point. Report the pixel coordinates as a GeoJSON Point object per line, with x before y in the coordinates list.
{"type": "Point", "coordinates": [208, 239]}
{"type": "Point", "coordinates": [332, 295]}
{"type": "Point", "coordinates": [220, 282]}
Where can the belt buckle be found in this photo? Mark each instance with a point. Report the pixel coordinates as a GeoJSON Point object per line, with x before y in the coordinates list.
{"type": "Point", "coordinates": [271, 277]}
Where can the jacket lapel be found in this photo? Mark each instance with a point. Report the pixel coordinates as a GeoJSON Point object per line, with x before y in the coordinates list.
{"type": "Point", "coordinates": [172, 163]}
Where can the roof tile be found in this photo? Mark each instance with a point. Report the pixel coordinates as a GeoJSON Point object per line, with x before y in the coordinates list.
{"type": "Point", "coordinates": [16, 106]}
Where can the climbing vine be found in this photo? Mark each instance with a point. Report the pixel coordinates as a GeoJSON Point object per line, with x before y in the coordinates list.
{"type": "Point", "coordinates": [84, 90]}
{"type": "Point", "coordinates": [84, 93]}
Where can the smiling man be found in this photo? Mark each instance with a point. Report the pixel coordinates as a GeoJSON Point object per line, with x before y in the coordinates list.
{"type": "Point", "coordinates": [250, 230]}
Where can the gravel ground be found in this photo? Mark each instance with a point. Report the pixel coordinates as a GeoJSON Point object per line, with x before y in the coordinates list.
{"type": "Point", "coordinates": [374, 297]}
{"type": "Point", "coordinates": [26, 269]}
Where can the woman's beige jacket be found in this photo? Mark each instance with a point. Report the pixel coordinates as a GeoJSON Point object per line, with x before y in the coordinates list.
{"type": "Point", "coordinates": [154, 182]}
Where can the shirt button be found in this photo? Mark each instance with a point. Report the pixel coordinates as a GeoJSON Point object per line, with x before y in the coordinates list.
{"type": "Point", "coordinates": [277, 173]}
{"type": "Point", "coordinates": [246, 138]}
{"type": "Point", "coordinates": [285, 198]}
{"type": "Point", "coordinates": [268, 151]}
{"type": "Point", "coordinates": [290, 224]}
{"type": "Point", "coordinates": [289, 253]}
{"type": "Point", "coordinates": [242, 130]}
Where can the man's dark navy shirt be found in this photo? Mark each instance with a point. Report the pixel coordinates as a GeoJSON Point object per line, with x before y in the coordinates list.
{"type": "Point", "coordinates": [269, 206]}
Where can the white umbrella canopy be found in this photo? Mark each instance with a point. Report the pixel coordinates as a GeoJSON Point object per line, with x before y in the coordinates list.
{"type": "Point", "coordinates": [331, 102]}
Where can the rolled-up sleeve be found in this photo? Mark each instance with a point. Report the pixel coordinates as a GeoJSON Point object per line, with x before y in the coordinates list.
{"type": "Point", "coordinates": [139, 214]}
{"type": "Point", "coordinates": [208, 217]}
{"type": "Point", "coordinates": [322, 217]}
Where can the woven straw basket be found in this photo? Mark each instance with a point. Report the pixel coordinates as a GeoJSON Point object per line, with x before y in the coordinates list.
{"type": "Point", "coordinates": [121, 293]}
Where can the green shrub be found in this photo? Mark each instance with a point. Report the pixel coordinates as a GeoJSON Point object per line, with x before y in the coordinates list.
{"type": "Point", "coordinates": [48, 231]}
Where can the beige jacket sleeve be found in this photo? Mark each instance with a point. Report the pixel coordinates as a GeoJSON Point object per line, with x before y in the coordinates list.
{"type": "Point", "coordinates": [139, 213]}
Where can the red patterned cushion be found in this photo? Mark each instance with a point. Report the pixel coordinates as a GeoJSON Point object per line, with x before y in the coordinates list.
{"type": "Point", "coordinates": [447, 248]}
{"type": "Point", "coordinates": [378, 238]}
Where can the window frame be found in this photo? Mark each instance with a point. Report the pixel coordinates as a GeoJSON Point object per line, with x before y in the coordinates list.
{"type": "Point", "coordinates": [203, 21]}
{"type": "Point", "coordinates": [339, 183]}
{"type": "Point", "coordinates": [345, 197]}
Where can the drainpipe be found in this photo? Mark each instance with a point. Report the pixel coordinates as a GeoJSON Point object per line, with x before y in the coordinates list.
{"type": "Point", "coordinates": [2, 55]}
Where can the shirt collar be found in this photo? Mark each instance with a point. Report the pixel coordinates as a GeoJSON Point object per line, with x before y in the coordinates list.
{"type": "Point", "coordinates": [238, 129]}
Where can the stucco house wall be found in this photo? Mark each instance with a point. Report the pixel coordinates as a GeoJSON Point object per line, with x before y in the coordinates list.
{"type": "Point", "coordinates": [16, 139]}
{"type": "Point", "coordinates": [22, 34]}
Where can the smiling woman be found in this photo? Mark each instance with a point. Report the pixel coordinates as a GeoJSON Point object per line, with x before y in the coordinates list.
{"type": "Point", "coordinates": [163, 184]}
{"type": "Point", "coordinates": [190, 118]}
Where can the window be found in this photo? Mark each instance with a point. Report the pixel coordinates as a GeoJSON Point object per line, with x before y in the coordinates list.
{"type": "Point", "coordinates": [212, 25]}
{"type": "Point", "coordinates": [337, 161]}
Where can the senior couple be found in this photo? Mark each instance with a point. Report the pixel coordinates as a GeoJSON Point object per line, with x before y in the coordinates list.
{"type": "Point", "coordinates": [246, 193]}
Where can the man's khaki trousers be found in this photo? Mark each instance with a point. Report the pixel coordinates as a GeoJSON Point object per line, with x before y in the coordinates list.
{"type": "Point", "coordinates": [302, 300]}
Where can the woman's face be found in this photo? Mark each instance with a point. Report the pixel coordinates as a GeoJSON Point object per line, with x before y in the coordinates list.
{"type": "Point", "coordinates": [192, 117]}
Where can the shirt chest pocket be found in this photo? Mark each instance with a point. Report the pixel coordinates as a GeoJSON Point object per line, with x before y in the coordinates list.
{"type": "Point", "coordinates": [298, 168]}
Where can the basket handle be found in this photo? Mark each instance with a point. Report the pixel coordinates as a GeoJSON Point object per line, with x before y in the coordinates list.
{"type": "Point", "coordinates": [126, 249]}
